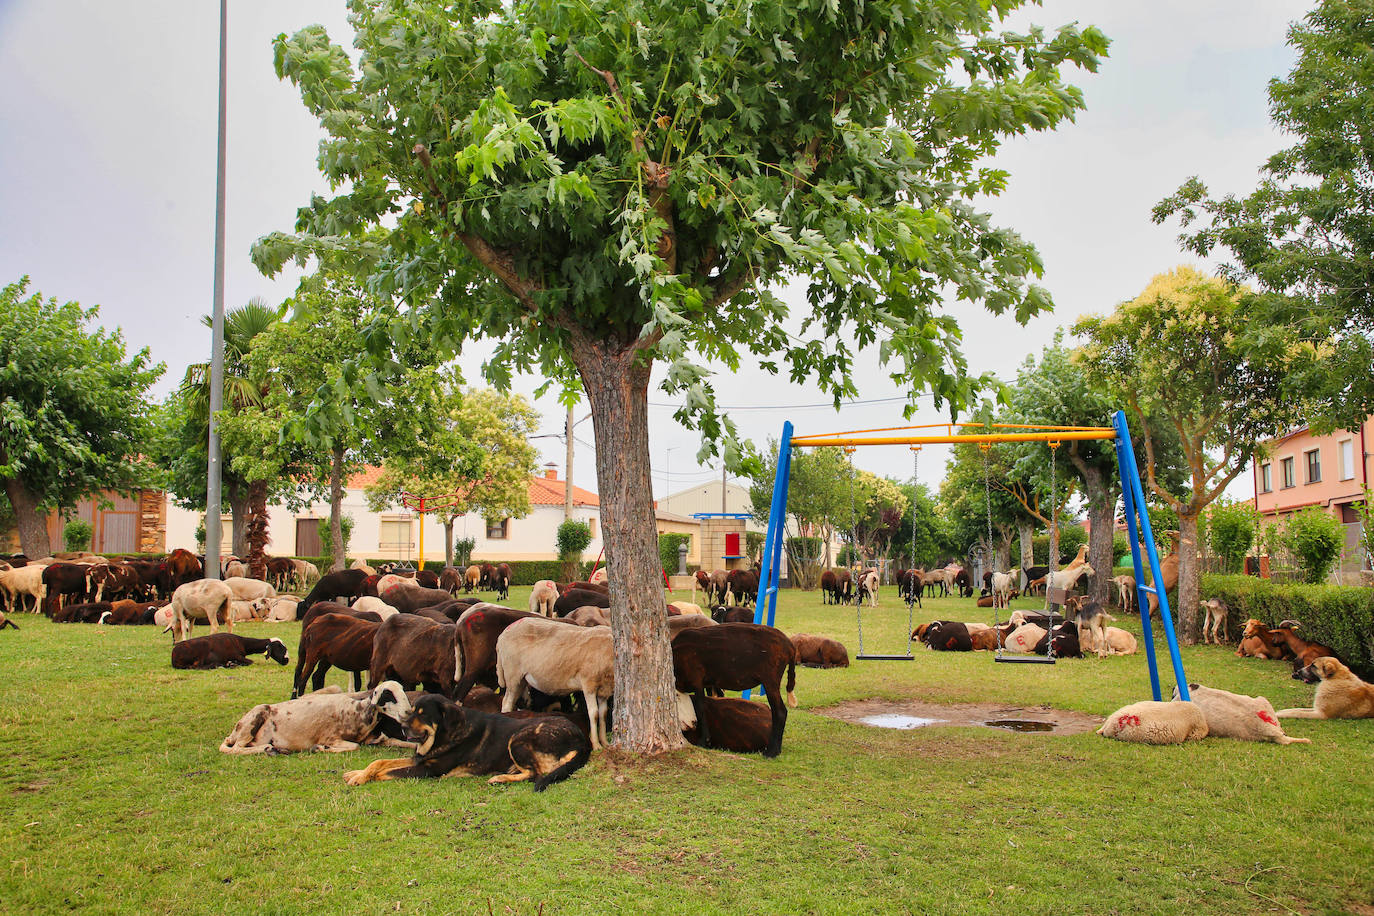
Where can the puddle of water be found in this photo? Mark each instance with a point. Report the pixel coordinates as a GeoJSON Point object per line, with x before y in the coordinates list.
{"type": "Point", "coordinates": [1020, 725]}
{"type": "Point", "coordinates": [894, 720]}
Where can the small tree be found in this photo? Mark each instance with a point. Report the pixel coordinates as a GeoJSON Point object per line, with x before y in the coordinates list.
{"type": "Point", "coordinates": [1315, 538]}
{"type": "Point", "coordinates": [462, 551]}
{"type": "Point", "coordinates": [574, 536]}
{"type": "Point", "coordinates": [77, 535]}
{"type": "Point", "coordinates": [1230, 530]}
{"type": "Point", "coordinates": [327, 539]}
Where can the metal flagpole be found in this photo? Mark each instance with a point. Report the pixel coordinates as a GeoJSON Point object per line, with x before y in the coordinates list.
{"type": "Point", "coordinates": [213, 526]}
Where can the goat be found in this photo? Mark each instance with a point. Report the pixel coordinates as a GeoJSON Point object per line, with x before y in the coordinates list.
{"type": "Point", "coordinates": [1088, 615]}
{"type": "Point", "coordinates": [1257, 641]}
{"type": "Point", "coordinates": [737, 656]}
{"type": "Point", "coordinates": [1302, 652]}
{"type": "Point", "coordinates": [1214, 628]}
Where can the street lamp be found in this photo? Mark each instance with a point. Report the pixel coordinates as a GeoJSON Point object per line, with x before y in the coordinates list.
{"type": "Point", "coordinates": [213, 528]}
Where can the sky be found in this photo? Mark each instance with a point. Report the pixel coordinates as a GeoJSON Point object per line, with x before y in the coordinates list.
{"type": "Point", "coordinates": [107, 194]}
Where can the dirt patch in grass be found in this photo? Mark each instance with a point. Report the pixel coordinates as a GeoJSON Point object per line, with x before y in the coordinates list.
{"type": "Point", "coordinates": [906, 714]}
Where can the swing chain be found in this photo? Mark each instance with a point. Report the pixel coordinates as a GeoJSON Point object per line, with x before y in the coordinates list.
{"type": "Point", "coordinates": [1054, 540]}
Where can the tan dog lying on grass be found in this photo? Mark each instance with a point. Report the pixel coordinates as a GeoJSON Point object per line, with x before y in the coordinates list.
{"type": "Point", "coordinates": [1340, 694]}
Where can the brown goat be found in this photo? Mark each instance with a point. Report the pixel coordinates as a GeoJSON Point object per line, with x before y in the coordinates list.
{"type": "Point", "coordinates": [1300, 650]}
{"type": "Point", "coordinates": [1257, 641]}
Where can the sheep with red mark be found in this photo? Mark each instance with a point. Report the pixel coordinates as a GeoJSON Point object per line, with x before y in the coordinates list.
{"type": "Point", "coordinates": [543, 596]}
{"type": "Point", "coordinates": [479, 627]}
{"type": "Point", "coordinates": [225, 650]}
{"type": "Point", "coordinates": [737, 656]}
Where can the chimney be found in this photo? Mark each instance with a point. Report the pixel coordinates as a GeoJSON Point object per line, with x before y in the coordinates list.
{"type": "Point", "coordinates": [550, 471]}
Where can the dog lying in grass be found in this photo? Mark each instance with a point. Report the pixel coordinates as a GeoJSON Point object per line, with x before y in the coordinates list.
{"type": "Point", "coordinates": [326, 720]}
{"type": "Point", "coordinates": [1340, 694]}
{"type": "Point", "coordinates": [453, 741]}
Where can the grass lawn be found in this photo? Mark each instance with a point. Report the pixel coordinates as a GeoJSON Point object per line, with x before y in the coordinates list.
{"type": "Point", "coordinates": [116, 799]}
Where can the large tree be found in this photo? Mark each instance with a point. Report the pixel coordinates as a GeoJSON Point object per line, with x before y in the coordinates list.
{"type": "Point", "coordinates": [73, 409]}
{"type": "Point", "coordinates": [604, 186]}
{"type": "Point", "coordinates": [1307, 230]}
{"type": "Point", "coordinates": [476, 457]}
{"type": "Point", "coordinates": [1190, 352]}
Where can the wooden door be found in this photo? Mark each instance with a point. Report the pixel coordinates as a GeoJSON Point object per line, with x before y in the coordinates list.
{"type": "Point", "coordinates": [308, 537]}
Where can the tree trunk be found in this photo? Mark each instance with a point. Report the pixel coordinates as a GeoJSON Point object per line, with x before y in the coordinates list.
{"type": "Point", "coordinates": [1186, 611]}
{"type": "Point", "coordinates": [33, 527]}
{"type": "Point", "coordinates": [616, 380]}
{"type": "Point", "coordinates": [336, 460]}
{"type": "Point", "coordinates": [1026, 532]}
{"type": "Point", "coordinates": [448, 541]}
{"type": "Point", "coordinates": [255, 529]}
{"type": "Point", "coordinates": [1101, 528]}
{"type": "Point", "coordinates": [238, 515]}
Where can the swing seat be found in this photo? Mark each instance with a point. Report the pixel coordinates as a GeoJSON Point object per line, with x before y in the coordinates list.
{"type": "Point", "coordinates": [886, 658]}
{"type": "Point", "coordinates": [1024, 659]}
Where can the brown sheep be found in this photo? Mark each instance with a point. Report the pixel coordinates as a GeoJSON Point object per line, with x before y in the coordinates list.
{"type": "Point", "coordinates": [820, 652]}
{"type": "Point", "coordinates": [340, 640]}
{"type": "Point", "coordinates": [412, 650]}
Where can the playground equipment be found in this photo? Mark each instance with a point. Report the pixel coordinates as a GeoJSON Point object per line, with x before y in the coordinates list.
{"type": "Point", "coordinates": [1137, 520]}
{"type": "Point", "coordinates": [421, 505]}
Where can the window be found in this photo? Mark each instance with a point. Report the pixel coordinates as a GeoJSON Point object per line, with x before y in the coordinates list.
{"type": "Point", "coordinates": [1286, 465]}
{"type": "Point", "coordinates": [394, 534]}
{"type": "Point", "coordinates": [226, 534]}
{"type": "Point", "coordinates": [498, 531]}
{"type": "Point", "coordinates": [1347, 452]}
{"type": "Point", "coordinates": [591, 526]}
{"type": "Point", "coordinates": [1266, 478]}
{"type": "Point", "coordinates": [1314, 465]}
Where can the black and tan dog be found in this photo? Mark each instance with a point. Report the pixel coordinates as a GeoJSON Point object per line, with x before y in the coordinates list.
{"type": "Point", "coordinates": [454, 741]}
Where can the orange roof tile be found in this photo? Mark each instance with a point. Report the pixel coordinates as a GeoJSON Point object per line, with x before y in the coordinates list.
{"type": "Point", "coordinates": [548, 491]}
{"type": "Point", "coordinates": [364, 478]}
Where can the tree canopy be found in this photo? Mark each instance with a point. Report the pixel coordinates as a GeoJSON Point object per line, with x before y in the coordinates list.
{"type": "Point", "coordinates": [1189, 352]}
{"type": "Point", "coordinates": [73, 408]}
{"type": "Point", "coordinates": [598, 186]}
{"type": "Point", "coordinates": [1307, 230]}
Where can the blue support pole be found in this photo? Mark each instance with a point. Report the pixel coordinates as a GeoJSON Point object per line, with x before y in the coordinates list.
{"type": "Point", "coordinates": [772, 544]}
{"type": "Point", "coordinates": [1137, 530]}
{"type": "Point", "coordinates": [777, 528]}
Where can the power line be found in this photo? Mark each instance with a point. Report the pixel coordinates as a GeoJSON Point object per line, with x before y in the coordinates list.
{"type": "Point", "coordinates": [830, 404]}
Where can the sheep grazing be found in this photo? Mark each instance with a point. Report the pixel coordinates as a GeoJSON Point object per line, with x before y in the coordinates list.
{"type": "Point", "coordinates": [472, 577]}
{"type": "Point", "coordinates": [1233, 715]}
{"type": "Point", "coordinates": [590, 617]}
{"type": "Point", "coordinates": [413, 650]}
{"type": "Point", "coordinates": [737, 656]}
{"type": "Point", "coordinates": [819, 652]}
{"type": "Point", "coordinates": [1151, 722]}
{"type": "Point", "coordinates": [343, 583]}
{"type": "Point", "coordinates": [337, 640]}
{"type": "Point", "coordinates": [411, 597]}
{"type": "Point", "coordinates": [201, 599]}
{"type": "Point", "coordinates": [225, 650]}
{"type": "Point", "coordinates": [557, 659]}
{"type": "Point", "coordinates": [575, 598]}
{"type": "Point", "coordinates": [375, 605]}
{"type": "Point", "coordinates": [390, 580]}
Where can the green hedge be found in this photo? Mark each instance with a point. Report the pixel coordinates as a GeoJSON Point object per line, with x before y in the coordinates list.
{"type": "Point", "coordinates": [1341, 617]}
{"type": "Point", "coordinates": [667, 549]}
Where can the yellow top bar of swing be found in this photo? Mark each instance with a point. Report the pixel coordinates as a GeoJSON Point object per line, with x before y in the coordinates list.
{"type": "Point", "coordinates": [1058, 434]}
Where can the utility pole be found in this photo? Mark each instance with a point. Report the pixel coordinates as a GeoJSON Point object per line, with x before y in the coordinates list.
{"type": "Point", "coordinates": [213, 526]}
{"type": "Point", "coordinates": [568, 468]}
{"type": "Point", "coordinates": [722, 489]}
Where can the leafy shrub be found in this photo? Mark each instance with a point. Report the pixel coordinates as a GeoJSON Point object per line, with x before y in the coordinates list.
{"type": "Point", "coordinates": [1341, 617]}
{"type": "Point", "coordinates": [1121, 548]}
{"type": "Point", "coordinates": [462, 551]}
{"type": "Point", "coordinates": [77, 535]}
{"type": "Point", "coordinates": [327, 538]}
{"type": "Point", "coordinates": [668, 550]}
{"type": "Point", "coordinates": [753, 544]}
{"type": "Point", "coordinates": [574, 536]}
{"type": "Point", "coordinates": [1315, 538]}
{"type": "Point", "coordinates": [1230, 530]}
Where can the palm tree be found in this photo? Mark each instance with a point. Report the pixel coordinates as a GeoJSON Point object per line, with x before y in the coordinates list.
{"type": "Point", "coordinates": [247, 498]}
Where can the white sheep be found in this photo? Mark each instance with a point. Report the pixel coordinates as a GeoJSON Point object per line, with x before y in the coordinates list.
{"type": "Point", "coordinates": [245, 589]}
{"type": "Point", "coordinates": [282, 609]}
{"type": "Point", "coordinates": [203, 599]}
{"type": "Point", "coordinates": [557, 659]}
{"type": "Point", "coordinates": [1233, 715]}
{"type": "Point", "coordinates": [1151, 722]}
{"type": "Point", "coordinates": [542, 597]}
{"type": "Point", "coordinates": [1119, 641]}
{"type": "Point", "coordinates": [375, 605]}
{"type": "Point", "coordinates": [26, 581]}
{"type": "Point", "coordinates": [391, 580]}
{"type": "Point", "coordinates": [1024, 638]}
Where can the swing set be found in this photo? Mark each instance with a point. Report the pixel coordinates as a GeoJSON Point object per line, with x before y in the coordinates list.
{"type": "Point", "coordinates": [1137, 520]}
